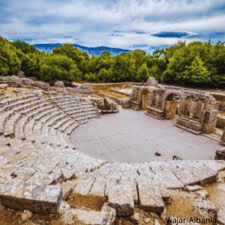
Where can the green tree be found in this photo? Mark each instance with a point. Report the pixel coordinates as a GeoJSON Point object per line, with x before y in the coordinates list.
{"type": "Point", "coordinates": [197, 72]}
{"type": "Point", "coordinates": [59, 67]}
{"type": "Point", "coordinates": [24, 47]}
{"type": "Point", "coordinates": [103, 75]}
{"type": "Point", "coordinates": [143, 73]}
{"type": "Point", "coordinates": [79, 57]}
{"type": "Point", "coordinates": [9, 60]}
{"type": "Point", "coordinates": [31, 65]}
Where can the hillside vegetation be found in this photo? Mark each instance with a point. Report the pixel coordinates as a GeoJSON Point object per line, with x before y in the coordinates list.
{"type": "Point", "coordinates": [197, 64]}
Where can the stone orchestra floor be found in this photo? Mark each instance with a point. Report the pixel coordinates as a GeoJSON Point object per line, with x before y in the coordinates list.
{"type": "Point", "coordinates": [132, 136]}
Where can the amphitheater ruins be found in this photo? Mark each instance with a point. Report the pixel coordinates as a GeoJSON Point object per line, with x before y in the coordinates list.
{"type": "Point", "coordinates": [43, 173]}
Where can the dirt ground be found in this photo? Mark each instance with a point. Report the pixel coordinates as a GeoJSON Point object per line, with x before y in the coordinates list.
{"type": "Point", "coordinates": [106, 91]}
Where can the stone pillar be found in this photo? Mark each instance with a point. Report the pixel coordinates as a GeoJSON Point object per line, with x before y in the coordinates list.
{"type": "Point", "coordinates": [223, 135]}
{"type": "Point", "coordinates": [210, 120]}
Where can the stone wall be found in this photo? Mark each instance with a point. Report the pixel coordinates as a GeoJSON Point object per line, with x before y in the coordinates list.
{"type": "Point", "coordinates": [221, 120]}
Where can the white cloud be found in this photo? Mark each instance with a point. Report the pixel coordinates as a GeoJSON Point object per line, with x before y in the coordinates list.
{"type": "Point", "coordinates": [93, 22]}
{"type": "Point", "coordinates": [191, 25]}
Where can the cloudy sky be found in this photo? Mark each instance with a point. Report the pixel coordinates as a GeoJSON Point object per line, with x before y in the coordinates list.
{"type": "Point", "coordinates": [115, 23]}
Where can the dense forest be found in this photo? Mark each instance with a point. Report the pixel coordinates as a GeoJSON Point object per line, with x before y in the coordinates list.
{"type": "Point", "coordinates": [196, 64]}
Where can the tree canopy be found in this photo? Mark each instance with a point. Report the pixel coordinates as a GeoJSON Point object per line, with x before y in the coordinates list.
{"type": "Point", "coordinates": [196, 64]}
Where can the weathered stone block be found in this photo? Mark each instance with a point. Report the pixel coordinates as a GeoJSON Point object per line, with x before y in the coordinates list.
{"type": "Point", "coordinates": [183, 172]}
{"type": "Point", "coordinates": [98, 188]}
{"type": "Point", "coordinates": [121, 198]}
{"type": "Point", "coordinates": [108, 215]}
{"type": "Point", "coordinates": [35, 198]}
{"type": "Point", "coordinates": [59, 84]}
{"type": "Point", "coordinates": [84, 185]}
{"type": "Point", "coordinates": [152, 82]}
{"type": "Point", "coordinates": [155, 112]}
{"type": "Point", "coordinates": [67, 188]}
{"type": "Point", "coordinates": [190, 124]}
{"type": "Point", "coordinates": [149, 197]}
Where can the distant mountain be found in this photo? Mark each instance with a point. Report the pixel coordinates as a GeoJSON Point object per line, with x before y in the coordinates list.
{"type": "Point", "coordinates": [90, 50]}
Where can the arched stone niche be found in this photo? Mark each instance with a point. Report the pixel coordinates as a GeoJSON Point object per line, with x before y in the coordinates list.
{"type": "Point", "coordinates": [134, 99]}
{"type": "Point", "coordinates": [197, 113]}
{"type": "Point", "coordinates": [144, 97]}
{"type": "Point", "coordinates": [170, 103]}
{"type": "Point", "coordinates": [156, 102]}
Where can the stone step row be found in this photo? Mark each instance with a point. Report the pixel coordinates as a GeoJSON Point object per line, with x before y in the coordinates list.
{"type": "Point", "coordinates": [10, 126]}
{"type": "Point", "coordinates": [80, 109]}
{"type": "Point", "coordinates": [20, 126]}
{"type": "Point", "coordinates": [17, 106]}
{"type": "Point", "coordinates": [67, 102]}
{"type": "Point", "coordinates": [44, 131]}
{"type": "Point", "coordinates": [15, 99]}
{"type": "Point", "coordinates": [11, 116]}
{"type": "Point", "coordinates": [19, 109]}
{"type": "Point", "coordinates": [58, 163]}
{"type": "Point", "coordinates": [61, 99]}
{"type": "Point", "coordinates": [11, 123]}
{"type": "Point", "coordinates": [73, 105]}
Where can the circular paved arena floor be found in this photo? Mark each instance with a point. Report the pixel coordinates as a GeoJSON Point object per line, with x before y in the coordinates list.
{"type": "Point", "coordinates": [131, 136]}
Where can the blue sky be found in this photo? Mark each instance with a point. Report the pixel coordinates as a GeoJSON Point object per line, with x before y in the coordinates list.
{"type": "Point", "coordinates": [115, 23]}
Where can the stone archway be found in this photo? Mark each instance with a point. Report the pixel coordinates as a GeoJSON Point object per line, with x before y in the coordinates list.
{"type": "Point", "coordinates": [170, 102]}
{"type": "Point", "coordinates": [144, 98]}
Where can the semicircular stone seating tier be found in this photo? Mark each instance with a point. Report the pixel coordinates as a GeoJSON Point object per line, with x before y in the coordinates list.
{"type": "Point", "coordinates": [39, 166]}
